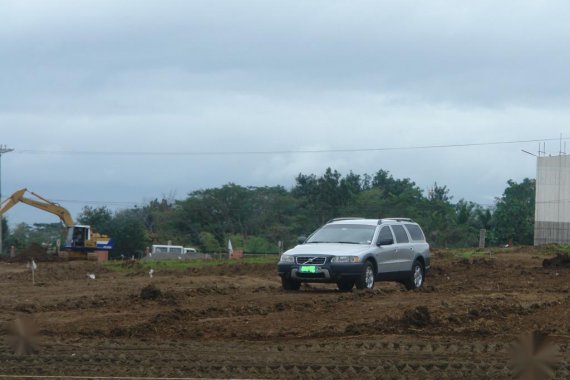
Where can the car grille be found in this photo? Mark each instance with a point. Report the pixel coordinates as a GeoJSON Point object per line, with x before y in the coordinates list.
{"type": "Point", "coordinates": [311, 260]}
{"type": "Point", "coordinates": [310, 275]}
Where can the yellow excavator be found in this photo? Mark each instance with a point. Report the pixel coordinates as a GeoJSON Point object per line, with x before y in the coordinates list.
{"type": "Point", "coordinates": [80, 240]}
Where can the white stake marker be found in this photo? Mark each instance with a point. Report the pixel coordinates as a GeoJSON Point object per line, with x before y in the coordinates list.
{"type": "Point", "coordinates": [34, 266]}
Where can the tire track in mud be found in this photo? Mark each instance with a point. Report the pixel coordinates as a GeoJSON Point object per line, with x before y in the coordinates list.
{"type": "Point", "coordinates": [309, 360]}
{"type": "Point", "coordinates": [485, 319]}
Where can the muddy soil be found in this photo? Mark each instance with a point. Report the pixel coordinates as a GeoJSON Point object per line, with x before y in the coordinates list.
{"type": "Point", "coordinates": [237, 322]}
{"type": "Point", "coordinates": [561, 260]}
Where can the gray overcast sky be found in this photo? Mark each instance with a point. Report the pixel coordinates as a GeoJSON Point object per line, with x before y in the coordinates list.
{"type": "Point", "coordinates": [179, 76]}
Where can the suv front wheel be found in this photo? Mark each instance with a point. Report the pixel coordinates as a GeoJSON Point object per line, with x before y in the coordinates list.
{"type": "Point", "coordinates": [345, 285]}
{"type": "Point", "coordinates": [289, 284]}
{"type": "Point", "coordinates": [366, 279]}
{"type": "Point", "coordinates": [416, 279]}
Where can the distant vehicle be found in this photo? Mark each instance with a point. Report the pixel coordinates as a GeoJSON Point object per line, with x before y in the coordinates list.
{"type": "Point", "coordinates": [175, 249]}
{"type": "Point", "coordinates": [356, 251]}
{"type": "Point", "coordinates": [80, 240]}
{"type": "Point", "coordinates": [164, 248]}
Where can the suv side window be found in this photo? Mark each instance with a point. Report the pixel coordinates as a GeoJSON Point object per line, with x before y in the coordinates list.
{"type": "Point", "coordinates": [415, 232]}
{"type": "Point", "coordinates": [401, 235]}
{"type": "Point", "coordinates": [385, 234]}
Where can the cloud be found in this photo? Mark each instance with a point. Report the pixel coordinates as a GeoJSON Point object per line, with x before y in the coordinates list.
{"type": "Point", "coordinates": [484, 53]}
{"type": "Point", "coordinates": [260, 76]}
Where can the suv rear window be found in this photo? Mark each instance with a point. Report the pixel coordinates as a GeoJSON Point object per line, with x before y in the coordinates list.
{"type": "Point", "coordinates": [415, 232]}
{"type": "Point", "coordinates": [401, 235]}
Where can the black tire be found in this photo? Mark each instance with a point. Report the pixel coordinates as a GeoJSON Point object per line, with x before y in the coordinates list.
{"type": "Point", "coordinates": [345, 285]}
{"type": "Point", "coordinates": [412, 282]}
{"type": "Point", "coordinates": [290, 285]}
{"type": "Point", "coordinates": [366, 279]}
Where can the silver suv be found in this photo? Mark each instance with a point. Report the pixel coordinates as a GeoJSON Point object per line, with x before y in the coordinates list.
{"type": "Point", "coordinates": [352, 251]}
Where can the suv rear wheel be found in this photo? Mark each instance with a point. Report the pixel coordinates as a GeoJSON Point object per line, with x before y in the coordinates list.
{"type": "Point", "coordinates": [289, 284]}
{"type": "Point", "coordinates": [416, 279]}
{"type": "Point", "coordinates": [366, 279]}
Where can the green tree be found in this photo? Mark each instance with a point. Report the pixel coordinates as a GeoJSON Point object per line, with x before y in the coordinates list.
{"type": "Point", "coordinates": [514, 215]}
{"type": "Point", "coordinates": [258, 244]}
{"type": "Point", "coordinates": [99, 218]}
{"type": "Point", "coordinates": [24, 235]}
{"type": "Point", "coordinates": [209, 243]}
{"type": "Point", "coordinates": [322, 198]}
{"type": "Point", "coordinates": [271, 214]}
{"type": "Point", "coordinates": [370, 203]}
{"type": "Point", "coordinates": [391, 186]}
{"type": "Point", "coordinates": [19, 236]}
{"type": "Point", "coordinates": [484, 217]}
{"type": "Point", "coordinates": [128, 233]}
{"type": "Point", "coordinates": [160, 220]}
{"type": "Point", "coordinates": [438, 217]}
{"type": "Point", "coordinates": [466, 213]}
{"type": "Point", "coordinates": [46, 233]}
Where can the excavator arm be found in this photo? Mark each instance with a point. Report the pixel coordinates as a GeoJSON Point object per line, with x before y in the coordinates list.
{"type": "Point", "coordinates": [42, 204]}
{"type": "Point", "coordinates": [11, 201]}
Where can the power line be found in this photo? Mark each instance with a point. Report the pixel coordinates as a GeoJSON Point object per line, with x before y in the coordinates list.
{"type": "Point", "coordinates": [276, 152]}
{"type": "Point", "coordinates": [94, 202]}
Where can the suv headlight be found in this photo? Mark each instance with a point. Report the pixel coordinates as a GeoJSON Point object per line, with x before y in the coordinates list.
{"type": "Point", "coordinates": [345, 259]}
{"type": "Point", "coordinates": [287, 259]}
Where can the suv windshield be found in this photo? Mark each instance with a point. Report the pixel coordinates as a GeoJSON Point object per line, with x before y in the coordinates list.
{"type": "Point", "coordinates": [344, 233]}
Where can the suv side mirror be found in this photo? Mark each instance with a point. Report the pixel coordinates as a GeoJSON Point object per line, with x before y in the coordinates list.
{"type": "Point", "coordinates": [301, 239]}
{"type": "Point", "coordinates": [385, 242]}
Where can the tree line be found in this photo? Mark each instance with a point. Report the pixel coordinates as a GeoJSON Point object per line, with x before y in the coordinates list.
{"type": "Point", "coordinates": [256, 219]}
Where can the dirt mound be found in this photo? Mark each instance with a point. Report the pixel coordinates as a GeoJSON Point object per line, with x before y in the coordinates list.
{"type": "Point", "coordinates": [418, 317]}
{"type": "Point", "coordinates": [562, 260]}
{"type": "Point", "coordinates": [35, 252]}
{"type": "Point", "coordinates": [150, 292]}
{"type": "Point", "coordinates": [71, 270]}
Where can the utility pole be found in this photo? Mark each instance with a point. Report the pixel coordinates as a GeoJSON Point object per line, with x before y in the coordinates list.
{"type": "Point", "coordinates": [3, 149]}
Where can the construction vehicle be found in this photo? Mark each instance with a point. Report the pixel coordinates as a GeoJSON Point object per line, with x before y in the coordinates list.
{"type": "Point", "coordinates": [80, 240]}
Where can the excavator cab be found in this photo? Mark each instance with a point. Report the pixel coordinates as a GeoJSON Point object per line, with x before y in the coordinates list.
{"type": "Point", "coordinates": [77, 236]}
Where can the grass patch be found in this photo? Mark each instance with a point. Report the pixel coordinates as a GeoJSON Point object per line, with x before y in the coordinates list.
{"type": "Point", "coordinates": [469, 254]}
{"type": "Point", "coordinates": [550, 249]}
{"type": "Point", "coordinates": [558, 248]}
{"type": "Point", "coordinates": [121, 266]}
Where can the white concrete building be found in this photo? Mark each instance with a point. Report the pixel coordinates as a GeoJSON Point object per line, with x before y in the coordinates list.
{"type": "Point", "coordinates": [552, 213]}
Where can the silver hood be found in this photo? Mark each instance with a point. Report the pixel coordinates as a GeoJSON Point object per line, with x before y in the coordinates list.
{"type": "Point", "coordinates": [333, 249]}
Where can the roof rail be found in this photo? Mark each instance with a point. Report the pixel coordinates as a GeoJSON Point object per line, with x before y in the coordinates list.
{"type": "Point", "coordinates": [400, 219]}
{"type": "Point", "coordinates": [347, 218]}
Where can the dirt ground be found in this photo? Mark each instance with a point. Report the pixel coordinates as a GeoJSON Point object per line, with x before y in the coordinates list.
{"type": "Point", "coordinates": [236, 322]}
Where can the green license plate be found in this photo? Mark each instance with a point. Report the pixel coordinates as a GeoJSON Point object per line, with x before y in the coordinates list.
{"type": "Point", "coordinates": [308, 269]}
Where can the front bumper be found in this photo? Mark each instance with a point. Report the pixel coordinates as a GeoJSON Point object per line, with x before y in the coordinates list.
{"type": "Point", "coordinates": [325, 273]}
